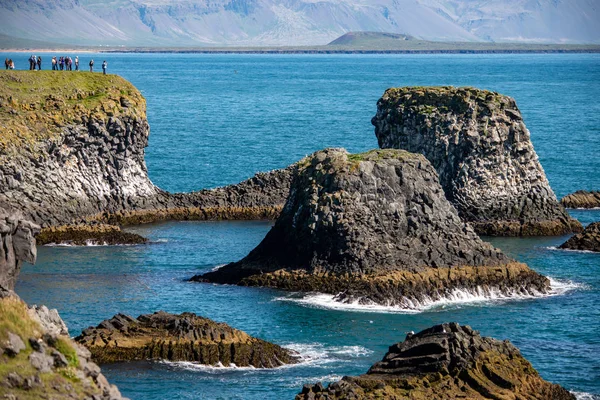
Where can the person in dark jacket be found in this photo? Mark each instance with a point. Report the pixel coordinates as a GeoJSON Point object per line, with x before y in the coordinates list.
{"type": "Point", "coordinates": [104, 65]}
{"type": "Point", "coordinates": [92, 65]}
{"type": "Point", "coordinates": [39, 63]}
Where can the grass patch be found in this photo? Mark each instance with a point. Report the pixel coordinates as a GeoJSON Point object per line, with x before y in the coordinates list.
{"type": "Point", "coordinates": [15, 318]}
{"type": "Point", "coordinates": [35, 105]}
{"type": "Point", "coordinates": [68, 351]}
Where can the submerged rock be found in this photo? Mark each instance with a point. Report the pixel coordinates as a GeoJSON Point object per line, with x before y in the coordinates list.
{"type": "Point", "coordinates": [446, 361]}
{"type": "Point", "coordinates": [588, 240]}
{"type": "Point", "coordinates": [479, 145]}
{"type": "Point", "coordinates": [17, 244]}
{"type": "Point", "coordinates": [40, 361]}
{"type": "Point", "coordinates": [582, 199]}
{"type": "Point", "coordinates": [81, 235]}
{"type": "Point", "coordinates": [184, 337]}
{"type": "Point", "coordinates": [375, 228]}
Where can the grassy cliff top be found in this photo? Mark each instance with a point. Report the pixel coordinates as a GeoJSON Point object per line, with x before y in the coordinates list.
{"type": "Point", "coordinates": [35, 105]}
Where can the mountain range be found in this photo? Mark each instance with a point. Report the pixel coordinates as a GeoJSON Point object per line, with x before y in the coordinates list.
{"type": "Point", "coordinates": [295, 22]}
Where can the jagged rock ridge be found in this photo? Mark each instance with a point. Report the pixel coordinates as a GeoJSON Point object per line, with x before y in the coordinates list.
{"type": "Point", "coordinates": [446, 361]}
{"type": "Point", "coordinates": [479, 145]}
{"type": "Point", "coordinates": [184, 337]}
{"type": "Point", "coordinates": [374, 227]}
{"type": "Point", "coordinates": [582, 199]}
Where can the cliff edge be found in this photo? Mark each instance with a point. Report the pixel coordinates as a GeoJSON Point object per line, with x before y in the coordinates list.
{"type": "Point", "coordinates": [479, 145]}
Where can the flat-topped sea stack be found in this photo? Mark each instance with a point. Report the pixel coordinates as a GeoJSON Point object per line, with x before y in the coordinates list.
{"type": "Point", "coordinates": [445, 362]}
{"type": "Point", "coordinates": [479, 145]}
{"type": "Point", "coordinates": [184, 337]}
{"type": "Point", "coordinates": [588, 240]}
{"type": "Point", "coordinates": [375, 228]}
{"type": "Point", "coordinates": [582, 199]}
{"type": "Point", "coordinates": [72, 152]}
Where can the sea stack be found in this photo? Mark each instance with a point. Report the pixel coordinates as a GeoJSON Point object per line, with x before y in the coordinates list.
{"type": "Point", "coordinates": [588, 240]}
{"type": "Point", "coordinates": [184, 337]}
{"type": "Point", "coordinates": [445, 362]}
{"type": "Point", "coordinates": [375, 228]}
{"type": "Point", "coordinates": [17, 244]}
{"type": "Point", "coordinates": [479, 145]}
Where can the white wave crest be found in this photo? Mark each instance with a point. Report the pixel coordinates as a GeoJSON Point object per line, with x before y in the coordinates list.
{"type": "Point", "coordinates": [454, 297]}
{"type": "Point", "coordinates": [586, 396]}
{"type": "Point", "coordinates": [572, 250]}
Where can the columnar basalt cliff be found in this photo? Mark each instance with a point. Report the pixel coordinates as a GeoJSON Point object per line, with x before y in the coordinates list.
{"type": "Point", "coordinates": [588, 240]}
{"type": "Point", "coordinates": [72, 153]}
{"type": "Point", "coordinates": [582, 199]}
{"type": "Point", "coordinates": [17, 244]}
{"type": "Point", "coordinates": [184, 337]}
{"type": "Point", "coordinates": [445, 362]}
{"type": "Point", "coordinates": [479, 145]}
{"type": "Point", "coordinates": [375, 228]}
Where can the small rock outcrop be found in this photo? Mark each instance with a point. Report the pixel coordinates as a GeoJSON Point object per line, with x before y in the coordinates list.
{"type": "Point", "coordinates": [40, 361]}
{"type": "Point", "coordinates": [479, 145]}
{"type": "Point", "coordinates": [444, 362]}
{"type": "Point", "coordinates": [88, 234]}
{"type": "Point", "coordinates": [184, 337]}
{"type": "Point", "coordinates": [375, 228]}
{"type": "Point", "coordinates": [17, 244]}
{"type": "Point", "coordinates": [588, 240]}
{"type": "Point", "coordinates": [582, 199]}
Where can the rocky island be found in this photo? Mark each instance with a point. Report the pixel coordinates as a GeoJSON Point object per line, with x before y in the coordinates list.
{"type": "Point", "coordinates": [480, 147]}
{"type": "Point", "coordinates": [588, 240]}
{"type": "Point", "coordinates": [184, 337]}
{"type": "Point", "coordinates": [375, 228]}
{"type": "Point", "coordinates": [447, 361]}
{"type": "Point", "coordinates": [582, 199]}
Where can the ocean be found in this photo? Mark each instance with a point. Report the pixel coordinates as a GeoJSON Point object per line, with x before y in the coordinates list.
{"type": "Point", "coordinates": [218, 119]}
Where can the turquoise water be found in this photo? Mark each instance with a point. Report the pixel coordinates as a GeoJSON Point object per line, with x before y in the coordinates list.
{"type": "Point", "coordinates": [217, 119]}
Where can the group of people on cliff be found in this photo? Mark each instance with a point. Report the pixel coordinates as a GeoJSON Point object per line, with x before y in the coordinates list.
{"type": "Point", "coordinates": [58, 63]}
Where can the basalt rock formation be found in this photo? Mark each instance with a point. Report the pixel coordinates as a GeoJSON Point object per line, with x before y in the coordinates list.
{"type": "Point", "coordinates": [17, 244]}
{"type": "Point", "coordinates": [375, 228]}
{"type": "Point", "coordinates": [72, 152]}
{"type": "Point", "coordinates": [88, 234]}
{"type": "Point", "coordinates": [444, 362]}
{"type": "Point", "coordinates": [479, 145]}
{"type": "Point", "coordinates": [582, 199]}
{"type": "Point", "coordinates": [184, 337]}
{"type": "Point", "coordinates": [588, 240]}
{"type": "Point", "coordinates": [40, 361]}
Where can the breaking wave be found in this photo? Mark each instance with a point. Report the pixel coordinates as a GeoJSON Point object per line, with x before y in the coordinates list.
{"type": "Point", "coordinates": [454, 297]}
{"type": "Point", "coordinates": [586, 396]}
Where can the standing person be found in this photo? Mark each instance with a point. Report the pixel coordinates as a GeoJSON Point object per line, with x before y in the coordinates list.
{"type": "Point", "coordinates": [76, 63]}
{"type": "Point", "coordinates": [6, 63]}
{"type": "Point", "coordinates": [11, 64]}
{"type": "Point", "coordinates": [61, 62]}
{"type": "Point", "coordinates": [31, 62]}
{"type": "Point", "coordinates": [104, 65]}
{"type": "Point", "coordinates": [92, 65]}
{"type": "Point", "coordinates": [53, 63]}
{"type": "Point", "coordinates": [70, 64]}
{"type": "Point", "coordinates": [39, 63]}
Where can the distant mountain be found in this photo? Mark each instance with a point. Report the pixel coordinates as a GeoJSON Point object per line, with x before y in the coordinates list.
{"type": "Point", "coordinates": [295, 22]}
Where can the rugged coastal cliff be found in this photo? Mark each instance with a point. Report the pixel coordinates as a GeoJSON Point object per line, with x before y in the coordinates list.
{"type": "Point", "coordinates": [444, 362]}
{"type": "Point", "coordinates": [72, 153]}
{"type": "Point", "coordinates": [479, 145]}
{"type": "Point", "coordinates": [375, 228]}
{"type": "Point", "coordinates": [185, 337]}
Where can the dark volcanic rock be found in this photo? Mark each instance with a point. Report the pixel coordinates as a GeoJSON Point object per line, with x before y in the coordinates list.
{"type": "Point", "coordinates": [588, 240]}
{"type": "Point", "coordinates": [479, 145]}
{"type": "Point", "coordinates": [82, 235]}
{"type": "Point", "coordinates": [375, 227]}
{"type": "Point", "coordinates": [184, 337]}
{"type": "Point", "coordinates": [582, 199]}
{"type": "Point", "coordinates": [446, 361]}
{"type": "Point", "coordinates": [17, 244]}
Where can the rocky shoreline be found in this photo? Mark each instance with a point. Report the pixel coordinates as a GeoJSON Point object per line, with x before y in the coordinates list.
{"type": "Point", "coordinates": [479, 145]}
{"type": "Point", "coordinates": [374, 228]}
{"type": "Point", "coordinates": [588, 240]}
{"type": "Point", "coordinates": [184, 337]}
{"type": "Point", "coordinates": [444, 362]}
